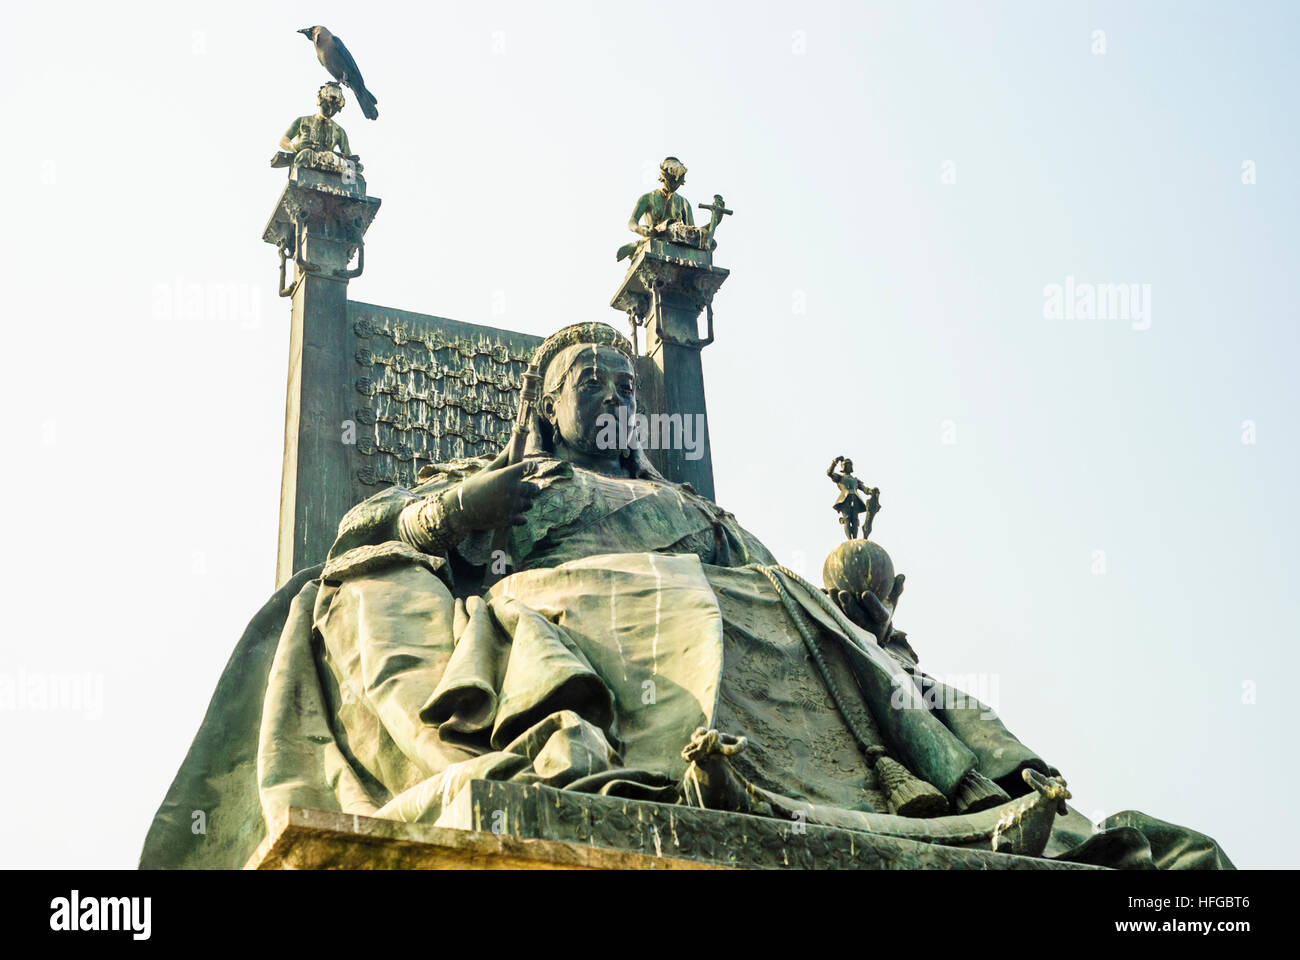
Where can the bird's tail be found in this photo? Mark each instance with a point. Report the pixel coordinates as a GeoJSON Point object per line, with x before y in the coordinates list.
{"type": "Point", "coordinates": [367, 103]}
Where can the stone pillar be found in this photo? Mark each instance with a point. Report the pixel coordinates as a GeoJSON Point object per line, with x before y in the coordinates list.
{"type": "Point", "coordinates": [666, 289]}
{"type": "Point", "coordinates": [318, 225]}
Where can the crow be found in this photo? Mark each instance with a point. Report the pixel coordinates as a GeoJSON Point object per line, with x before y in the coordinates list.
{"type": "Point", "coordinates": [335, 58]}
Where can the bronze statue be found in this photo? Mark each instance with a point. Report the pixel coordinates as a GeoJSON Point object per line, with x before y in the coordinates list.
{"type": "Point", "coordinates": [665, 214]}
{"type": "Point", "coordinates": [335, 58]}
{"type": "Point", "coordinates": [562, 618]}
{"type": "Point", "coordinates": [317, 141]}
{"type": "Point", "coordinates": [855, 499]}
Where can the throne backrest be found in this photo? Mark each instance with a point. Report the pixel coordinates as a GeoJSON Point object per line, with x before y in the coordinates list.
{"type": "Point", "coordinates": [429, 389]}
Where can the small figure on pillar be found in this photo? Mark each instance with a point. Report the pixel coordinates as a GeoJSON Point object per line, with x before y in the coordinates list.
{"type": "Point", "coordinates": [323, 208]}
{"type": "Point", "coordinates": [670, 281]}
{"type": "Point", "coordinates": [855, 499]}
{"type": "Point", "coordinates": [665, 215]}
{"type": "Point", "coordinates": [318, 142]}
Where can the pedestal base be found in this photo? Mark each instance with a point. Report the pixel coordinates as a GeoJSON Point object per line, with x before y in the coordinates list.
{"type": "Point", "coordinates": [323, 840]}
{"type": "Point", "coordinates": [492, 825]}
{"type": "Point", "coordinates": [683, 275]}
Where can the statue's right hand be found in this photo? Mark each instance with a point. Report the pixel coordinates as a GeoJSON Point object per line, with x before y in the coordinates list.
{"type": "Point", "coordinates": [497, 496]}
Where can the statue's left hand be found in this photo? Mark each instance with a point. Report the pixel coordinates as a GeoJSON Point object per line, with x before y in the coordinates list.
{"type": "Point", "coordinates": [864, 609]}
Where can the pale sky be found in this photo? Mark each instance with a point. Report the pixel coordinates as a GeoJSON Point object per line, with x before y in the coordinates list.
{"type": "Point", "coordinates": [1092, 513]}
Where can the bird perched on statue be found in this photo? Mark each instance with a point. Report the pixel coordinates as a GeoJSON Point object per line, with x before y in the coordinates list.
{"type": "Point", "coordinates": [335, 58]}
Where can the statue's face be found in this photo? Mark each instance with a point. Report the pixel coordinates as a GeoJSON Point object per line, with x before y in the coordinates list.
{"type": "Point", "coordinates": [848, 466]}
{"type": "Point", "coordinates": [329, 106]}
{"type": "Point", "coordinates": [672, 176]}
{"type": "Point", "coordinates": [598, 384]}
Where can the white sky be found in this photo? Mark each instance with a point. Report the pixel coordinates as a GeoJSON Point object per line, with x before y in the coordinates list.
{"type": "Point", "coordinates": [870, 303]}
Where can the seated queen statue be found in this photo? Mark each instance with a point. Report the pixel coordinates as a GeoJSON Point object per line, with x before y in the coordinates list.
{"type": "Point", "coordinates": [644, 645]}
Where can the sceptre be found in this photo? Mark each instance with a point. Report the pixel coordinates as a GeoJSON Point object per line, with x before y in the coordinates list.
{"type": "Point", "coordinates": [529, 391]}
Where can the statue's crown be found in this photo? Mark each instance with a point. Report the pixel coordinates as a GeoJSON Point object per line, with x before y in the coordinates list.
{"type": "Point", "coordinates": [601, 334]}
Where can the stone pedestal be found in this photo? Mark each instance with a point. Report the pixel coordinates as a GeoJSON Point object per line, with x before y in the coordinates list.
{"type": "Point", "coordinates": [666, 289]}
{"type": "Point", "coordinates": [323, 840]}
{"type": "Point", "coordinates": [492, 825]}
{"type": "Point", "coordinates": [318, 226]}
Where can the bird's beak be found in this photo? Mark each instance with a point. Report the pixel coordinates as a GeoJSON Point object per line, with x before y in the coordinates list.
{"type": "Point", "coordinates": [305, 31]}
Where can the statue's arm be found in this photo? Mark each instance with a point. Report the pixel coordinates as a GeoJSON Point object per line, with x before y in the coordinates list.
{"type": "Point", "coordinates": [433, 524]}
{"type": "Point", "coordinates": [286, 142]}
{"type": "Point", "coordinates": [423, 518]}
{"type": "Point", "coordinates": [830, 471]}
{"type": "Point", "coordinates": [634, 222]}
{"type": "Point", "coordinates": [690, 217]}
{"type": "Point", "coordinates": [343, 143]}
{"type": "Point", "coordinates": [371, 522]}
{"type": "Point", "coordinates": [496, 496]}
